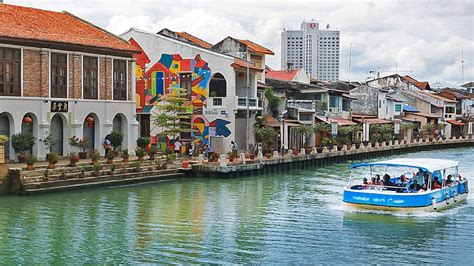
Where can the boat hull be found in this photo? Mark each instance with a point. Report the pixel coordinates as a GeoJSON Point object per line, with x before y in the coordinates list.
{"type": "Point", "coordinates": [407, 202]}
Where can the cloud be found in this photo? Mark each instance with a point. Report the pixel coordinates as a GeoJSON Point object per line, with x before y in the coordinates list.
{"type": "Point", "coordinates": [421, 36]}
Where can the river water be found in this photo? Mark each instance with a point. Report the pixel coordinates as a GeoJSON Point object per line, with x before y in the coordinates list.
{"type": "Point", "coordinates": [295, 217]}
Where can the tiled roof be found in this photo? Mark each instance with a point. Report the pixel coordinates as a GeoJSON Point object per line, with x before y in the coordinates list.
{"type": "Point", "coordinates": [422, 85]}
{"type": "Point", "coordinates": [242, 65]}
{"type": "Point", "coordinates": [456, 123]}
{"type": "Point", "coordinates": [372, 121]}
{"type": "Point", "coordinates": [194, 39]}
{"type": "Point", "coordinates": [31, 24]}
{"type": "Point", "coordinates": [256, 47]}
{"type": "Point", "coordinates": [282, 74]}
{"type": "Point", "coordinates": [437, 96]}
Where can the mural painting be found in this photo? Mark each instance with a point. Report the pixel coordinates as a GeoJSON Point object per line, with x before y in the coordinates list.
{"type": "Point", "coordinates": [168, 75]}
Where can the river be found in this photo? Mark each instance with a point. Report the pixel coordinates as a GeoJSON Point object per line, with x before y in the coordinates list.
{"type": "Point", "coordinates": [296, 217]}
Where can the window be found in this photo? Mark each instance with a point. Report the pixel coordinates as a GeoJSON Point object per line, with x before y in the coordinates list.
{"type": "Point", "coordinates": [218, 86]}
{"type": "Point", "coordinates": [398, 107]}
{"type": "Point", "coordinates": [120, 80]}
{"type": "Point", "coordinates": [450, 109]}
{"type": "Point", "coordinates": [433, 109]}
{"type": "Point", "coordinates": [333, 101]}
{"type": "Point", "coordinates": [90, 77]}
{"type": "Point", "coordinates": [185, 82]}
{"type": "Point", "coordinates": [306, 117]}
{"type": "Point", "coordinates": [346, 105]}
{"type": "Point", "coordinates": [10, 67]}
{"type": "Point", "coordinates": [58, 75]}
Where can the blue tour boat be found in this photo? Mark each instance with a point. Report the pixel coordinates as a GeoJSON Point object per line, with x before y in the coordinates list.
{"type": "Point", "coordinates": [406, 185]}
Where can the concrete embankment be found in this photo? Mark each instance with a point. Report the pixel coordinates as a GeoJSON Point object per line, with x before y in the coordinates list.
{"type": "Point", "coordinates": [326, 157]}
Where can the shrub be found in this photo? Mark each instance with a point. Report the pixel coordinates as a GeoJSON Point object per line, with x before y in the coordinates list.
{"type": "Point", "coordinates": [124, 154]}
{"type": "Point", "coordinates": [96, 169]}
{"type": "Point", "coordinates": [95, 156]}
{"type": "Point", "coordinates": [152, 151]}
{"type": "Point", "coordinates": [113, 167]}
{"type": "Point", "coordinates": [116, 139]}
{"type": "Point", "coordinates": [137, 166]}
{"type": "Point", "coordinates": [109, 156]}
{"type": "Point", "coordinates": [3, 138]}
{"type": "Point", "coordinates": [143, 142]}
{"type": "Point", "coordinates": [31, 159]}
{"type": "Point", "coordinates": [140, 152]}
{"type": "Point", "coordinates": [22, 142]}
{"type": "Point", "coordinates": [52, 158]}
{"type": "Point", "coordinates": [171, 157]}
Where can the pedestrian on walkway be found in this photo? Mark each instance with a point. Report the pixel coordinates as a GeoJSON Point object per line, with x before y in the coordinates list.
{"type": "Point", "coordinates": [177, 146]}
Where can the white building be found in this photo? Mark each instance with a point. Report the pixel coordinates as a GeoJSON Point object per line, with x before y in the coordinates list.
{"type": "Point", "coordinates": [313, 49]}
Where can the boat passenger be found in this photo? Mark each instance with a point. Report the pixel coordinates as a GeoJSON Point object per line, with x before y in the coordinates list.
{"type": "Point", "coordinates": [435, 184]}
{"type": "Point", "coordinates": [387, 182]}
{"type": "Point", "coordinates": [373, 181]}
{"type": "Point", "coordinates": [415, 186]}
{"type": "Point", "coordinates": [377, 179]}
{"type": "Point", "coordinates": [460, 178]}
{"type": "Point", "coordinates": [401, 182]}
{"type": "Point", "coordinates": [449, 180]}
{"type": "Point", "coordinates": [365, 181]}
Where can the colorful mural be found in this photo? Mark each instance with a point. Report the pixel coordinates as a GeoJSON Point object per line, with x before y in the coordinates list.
{"type": "Point", "coordinates": [172, 73]}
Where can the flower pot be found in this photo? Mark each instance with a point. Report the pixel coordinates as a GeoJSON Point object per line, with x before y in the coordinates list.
{"type": "Point", "coordinates": [29, 167]}
{"type": "Point", "coordinates": [319, 149]}
{"type": "Point", "coordinates": [269, 155]}
{"type": "Point", "coordinates": [51, 166]}
{"type": "Point", "coordinates": [152, 157]}
{"type": "Point", "coordinates": [82, 155]}
{"type": "Point", "coordinates": [110, 161]}
{"type": "Point", "coordinates": [185, 164]}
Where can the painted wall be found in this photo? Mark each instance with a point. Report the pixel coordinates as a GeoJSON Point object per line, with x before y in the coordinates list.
{"type": "Point", "coordinates": [158, 72]}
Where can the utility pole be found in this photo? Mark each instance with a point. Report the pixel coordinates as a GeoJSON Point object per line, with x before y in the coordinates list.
{"type": "Point", "coordinates": [247, 128]}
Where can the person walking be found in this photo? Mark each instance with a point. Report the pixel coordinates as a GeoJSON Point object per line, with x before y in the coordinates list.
{"type": "Point", "coordinates": [233, 148]}
{"type": "Point", "coordinates": [177, 146]}
{"type": "Point", "coordinates": [107, 145]}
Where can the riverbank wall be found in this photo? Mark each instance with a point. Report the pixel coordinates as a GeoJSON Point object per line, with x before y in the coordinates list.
{"type": "Point", "coordinates": [64, 178]}
{"type": "Point", "coordinates": [290, 162]}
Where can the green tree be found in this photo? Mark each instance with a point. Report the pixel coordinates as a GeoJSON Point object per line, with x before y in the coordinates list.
{"type": "Point", "coordinates": [267, 135]}
{"type": "Point", "coordinates": [174, 113]}
{"type": "Point", "coordinates": [273, 101]}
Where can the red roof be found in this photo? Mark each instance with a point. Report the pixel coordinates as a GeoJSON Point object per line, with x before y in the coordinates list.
{"type": "Point", "coordinates": [256, 47]}
{"type": "Point", "coordinates": [422, 85]}
{"type": "Point", "coordinates": [195, 39]}
{"type": "Point", "coordinates": [282, 75]}
{"type": "Point", "coordinates": [33, 24]}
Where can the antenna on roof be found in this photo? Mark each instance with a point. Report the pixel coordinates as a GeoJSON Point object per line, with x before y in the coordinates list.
{"type": "Point", "coordinates": [327, 26]}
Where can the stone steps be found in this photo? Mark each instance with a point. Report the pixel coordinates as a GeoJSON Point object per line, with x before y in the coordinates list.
{"type": "Point", "coordinates": [100, 181]}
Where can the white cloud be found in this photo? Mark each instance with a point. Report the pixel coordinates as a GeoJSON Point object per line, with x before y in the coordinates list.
{"type": "Point", "coordinates": [418, 35]}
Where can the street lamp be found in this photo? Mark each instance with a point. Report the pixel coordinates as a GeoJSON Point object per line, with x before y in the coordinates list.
{"type": "Point", "coordinates": [282, 140]}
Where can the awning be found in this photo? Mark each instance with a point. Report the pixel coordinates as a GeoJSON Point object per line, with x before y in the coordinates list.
{"type": "Point", "coordinates": [373, 121]}
{"type": "Point", "coordinates": [456, 123]}
{"type": "Point", "coordinates": [340, 121]}
{"type": "Point", "coordinates": [408, 108]}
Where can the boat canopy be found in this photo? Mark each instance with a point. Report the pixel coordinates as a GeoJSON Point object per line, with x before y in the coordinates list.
{"type": "Point", "coordinates": [425, 164]}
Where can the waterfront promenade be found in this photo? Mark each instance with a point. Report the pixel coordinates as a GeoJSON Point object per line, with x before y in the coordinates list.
{"type": "Point", "coordinates": [42, 180]}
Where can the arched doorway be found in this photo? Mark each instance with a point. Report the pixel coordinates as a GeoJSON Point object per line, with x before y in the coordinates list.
{"type": "Point", "coordinates": [90, 131]}
{"type": "Point", "coordinates": [118, 126]}
{"type": "Point", "coordinates": [5, 129]}
{"type": "Point", "coordinates": [29, 125]}
{"type": "Point", "coordinates": [57, 132]}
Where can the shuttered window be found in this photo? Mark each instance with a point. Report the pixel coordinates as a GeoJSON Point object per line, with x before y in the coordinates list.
{"type": "Point", "coordinates": [10, 72]}
{"type": "Point", "coordinates": [120, 80]}
{"type": "Point", "coordinates": [58, 75]}
{"type": "Point", "coordinates": [90, 77]}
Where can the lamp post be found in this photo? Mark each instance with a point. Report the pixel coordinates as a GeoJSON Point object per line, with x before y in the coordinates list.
{"type": "Point", "coordinates": [282, 140]}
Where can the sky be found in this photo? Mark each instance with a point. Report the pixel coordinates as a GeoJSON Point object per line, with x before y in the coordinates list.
{"type": "Point", "coordinates": [423, 38]}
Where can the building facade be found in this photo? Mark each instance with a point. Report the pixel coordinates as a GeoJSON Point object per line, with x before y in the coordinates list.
{"type": "Point", "coordinates": [217, 85]}
{"type": "Point", "coordinates": [70, 78]}
{"type": "Point", "coordinates": [314, 49]}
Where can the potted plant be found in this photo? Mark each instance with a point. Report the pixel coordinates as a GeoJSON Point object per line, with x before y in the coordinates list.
{"type": "Point", "coordinates": [73, 158]}
{"type": "Point", "coordinates": [52, 159]}
{"type": "Point", "coordinates": [30, 161]}
{"type": "Point", "coordinates": [3, 139]}
{"type": "Point", "coordinates": [140, 152]}
{"type": "Point", "coordinates": [95, 156]}
{"type": "Point", "coordinates": [113, 167]}
{"type": "Point", "coordinates": [49, 142]}
{"type": "Point", "coordinates": [124, 154]}
{"type": "Point", "coordinates": [143, 142]}
{"type": "Point", "coordinates": [152, 152]}
{"type": "Point", "coordinates": [22, 143]}
{"type": "Point", "coordinates": [328, 142]}
{"type": "Point", "coordinates": [81, 144]}
{"type": "Point", "coordinates": [96, 168]}
{"type": "Point", "coordinates": [45, 175]}
{"type": "Point", "coordinates": [110, 157]}
{"type": "Point", "coordinates": [215, 157]}
{"type": "Point", "coordinates": [116, 139]}
{"type": "Point", "coordinates": [170, 158]}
